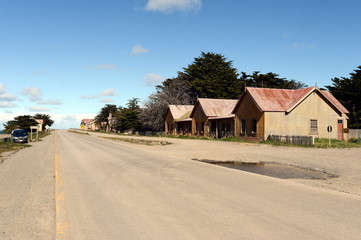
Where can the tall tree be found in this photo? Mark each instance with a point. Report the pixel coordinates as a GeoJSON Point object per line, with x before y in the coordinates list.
{"type": "Point", "coordinates": [347, 91]}
{"type": "Point", "coordinates": [46, 118]}
{"type": "Point", "coordinates": [175, 91]}
{"type": "Point", "coordinates": [21, 122]}
{"type": "Point", "coordinates": [212, 76]}
{"type": "Point", "coordinates": [270, 80]}
{"type": "Point", "coordinates": [128, 119]}
{"type": "Point", "coordinates": [103, 116]}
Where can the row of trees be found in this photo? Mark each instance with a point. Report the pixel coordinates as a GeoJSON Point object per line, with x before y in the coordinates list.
{"type": "Point", "coordinates": [26, 121]}
{"type": "Point", "coordinates": [211, 75]}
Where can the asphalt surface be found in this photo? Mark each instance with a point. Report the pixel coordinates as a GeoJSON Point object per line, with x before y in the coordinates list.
{"type": "Point", "coordinates": [115, 190]}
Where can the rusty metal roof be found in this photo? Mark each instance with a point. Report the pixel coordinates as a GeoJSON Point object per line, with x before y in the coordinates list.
{"type": "Point", "coordinates": [332, 98]}
{"type": "Point", "coordinates": [285, 100]}
{"type": "Point", "coordinates": [86, 120]}
{"type": "Point", "coordinates": [180, 112]}
{"type": "Point", "coordinates": [216, 107]}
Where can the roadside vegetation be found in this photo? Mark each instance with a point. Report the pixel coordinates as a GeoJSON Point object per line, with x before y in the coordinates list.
{"type": "Point", "coordinates": [78, 132]}
{"type": "Point", "coordinates": [139, 141]}
{"type": "Point", "coordinates": [8, 146]}
{"type": "Point", "coordinates": [322, 143]}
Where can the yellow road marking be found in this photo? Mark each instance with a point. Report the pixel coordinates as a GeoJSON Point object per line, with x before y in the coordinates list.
{"type": "Point", "coordinates": [61, 225]}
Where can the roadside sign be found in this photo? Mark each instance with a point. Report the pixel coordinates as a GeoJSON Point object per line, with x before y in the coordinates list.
{"type": "Point", "coordinates": [329, 128]}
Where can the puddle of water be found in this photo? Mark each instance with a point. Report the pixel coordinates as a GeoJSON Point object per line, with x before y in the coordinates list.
{"type": "Point", "coordinates": [274, 170]}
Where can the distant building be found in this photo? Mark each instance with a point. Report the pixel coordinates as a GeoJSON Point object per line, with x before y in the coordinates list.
{"type": "Point", "coordinates": [40, 124]}
{"type": "Point", "coordinates": [261, 112]}
{"type": "Point", "coordinates": [89, 124]}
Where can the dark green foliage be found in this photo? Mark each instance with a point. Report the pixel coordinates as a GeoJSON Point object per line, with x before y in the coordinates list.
{"type": "Point", "coordinates": [20, 122]}
{"type": "Point", "coordinates": [128, 119]}
{"type": "Point", "coordinates": [212, 76]}
{"type": "Point", "coordinates": [348, 92]}
{"type": "Point", "coordinates": [103, 116]}
{"type": "Point", "coordinates": [46, 118]}
{"type": "Point", "coordinates": [270, 80]}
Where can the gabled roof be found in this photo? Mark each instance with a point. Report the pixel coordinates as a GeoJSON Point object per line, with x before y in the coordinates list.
{"type": "Point", "coordinates": [180, 112]}
{"type": "Point", "coordinates": [84, 121]}
{"type": "Point", "coordinates": [40, 121]}
{"type": "Point", "coordinates": [285, 100]}
{"type": "Point", "coordinates": [215, 107]}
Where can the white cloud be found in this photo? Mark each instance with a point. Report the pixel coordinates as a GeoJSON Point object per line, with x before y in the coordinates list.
{"type": "Point", "coordinates": [51, 102]}
{"type": "Point", "coordinates": [33, 93]}
{"type": "Point", "coordinates": [152, 79]}
{"type": "Point", "coordinates": [8, 111]}
{"type": "Point", "coordinates": [105, 93]}
{"type": "Point", "coordinates": [106, 66]}
{"type": "Point", "coordinates": [7, 97]}
{"type": "Point", "coordinates": [107, 100]}
{"type": "Point", "coordinates": [108, 92]}
{"type": "Point", "coordinates": [2, 88]}
{"type": "Point", "coordinates": [169, 6]}
{"type": "Point", "coordinates": [298, 45]}
{"type": "Point", "coordinates": [7, 105]}
{"type": "Point", "coordinates": [138, 50]}
{"type": "Point", "coordinates": [39, 109]}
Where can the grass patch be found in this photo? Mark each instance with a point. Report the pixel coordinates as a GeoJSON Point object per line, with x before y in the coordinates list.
{"type": "Point", "coordinates": [320, 143]}
{"type": "Point", "coordinates": [139, 141]}
{"type": "Point", "coordinates": [187, 137]}
{"type": "Point", "coordinates": [10, 146]}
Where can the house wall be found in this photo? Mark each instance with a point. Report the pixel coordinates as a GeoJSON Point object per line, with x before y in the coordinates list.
{"type": "Point", "coordinates": [169, 124]}
{"type": "Point", "coordinates": [200, 125]}
{"type": "Point", "coordinates": [297, 122]}
{"type": "Point", "coordinates": [248, 111]}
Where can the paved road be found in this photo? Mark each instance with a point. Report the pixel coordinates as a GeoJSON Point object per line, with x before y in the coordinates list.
{"type": "Point", "coordinates": [110, 190]}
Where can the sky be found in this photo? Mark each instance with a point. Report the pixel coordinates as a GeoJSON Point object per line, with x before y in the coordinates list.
{"type": "Point", "coordinates": [69, 58]}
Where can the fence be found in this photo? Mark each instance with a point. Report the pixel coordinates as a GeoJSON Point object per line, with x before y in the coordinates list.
{"type": "Point", "coordinates": [298, 140]}
{"type": "Point", "coordinates": [354, 133]}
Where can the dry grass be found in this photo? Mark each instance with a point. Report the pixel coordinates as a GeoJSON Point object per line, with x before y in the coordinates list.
{"type": "Point", "coordinates": [140, 141]}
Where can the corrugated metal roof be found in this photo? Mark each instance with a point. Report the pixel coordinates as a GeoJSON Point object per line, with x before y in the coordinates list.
{"type": "Point", "coordinates": [180, 112]}
{"type": "Point", "coordinates": [285, 100]}
{"type": "Point", "coordinates": [334, 101]}
{"type": "Point", "coordinates": [86, 120]}
{"type": "Point", "coordinates": [216, 107]}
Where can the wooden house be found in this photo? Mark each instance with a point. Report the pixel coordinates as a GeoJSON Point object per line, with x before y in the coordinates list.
{"type": "Point", "coordinates": [213, 117]}
{"type": "Point", "coordinates": [177, 120]}
{"type": "Point", "coordinates": [261, 112]}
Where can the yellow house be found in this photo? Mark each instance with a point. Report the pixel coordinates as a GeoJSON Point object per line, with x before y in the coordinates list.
{"type": "Point", "coordinates": [177, 119]}
{"type": "Point", "coordinates": [261, 112]}
{"type": "Point", "coordinates": [213, 117]}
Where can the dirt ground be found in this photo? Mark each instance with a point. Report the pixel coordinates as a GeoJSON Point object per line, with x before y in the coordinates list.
{"type": "Point", "coordinates": [345, 163]}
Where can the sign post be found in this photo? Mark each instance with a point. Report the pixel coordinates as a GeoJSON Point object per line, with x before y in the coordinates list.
{"type": "Point", "coordinates": [31, 133]}
{"type": "Point", "coordinates": [329, 130]}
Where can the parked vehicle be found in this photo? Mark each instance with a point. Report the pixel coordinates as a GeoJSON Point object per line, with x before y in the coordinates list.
{"type": "Point", "coordinates": [19, 135]}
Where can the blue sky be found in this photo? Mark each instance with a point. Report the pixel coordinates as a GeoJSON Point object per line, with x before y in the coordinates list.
{"type": "Point", "coordinates": [70, 58]}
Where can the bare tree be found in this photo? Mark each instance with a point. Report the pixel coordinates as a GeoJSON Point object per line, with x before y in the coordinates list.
{"type": "Point", "coordinates": [172, 91]}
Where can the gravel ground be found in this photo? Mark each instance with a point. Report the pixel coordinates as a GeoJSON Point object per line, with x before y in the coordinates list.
{"type": "Point", "coordinates": [345, 163]}
{"type": "Point", "coordinates": [27, 193]}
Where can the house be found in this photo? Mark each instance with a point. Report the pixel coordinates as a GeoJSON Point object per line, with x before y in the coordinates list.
{"type": "Point", "coordinates": [261, 112]}
{"type": "Point", "coordinates": [40, 124]}
{"type": "Point", "coordinates": [87, 124]}
{"type": "Point", "coordinates": [177, 119]}
{"type": "Point", "coordinates": [213, 117]}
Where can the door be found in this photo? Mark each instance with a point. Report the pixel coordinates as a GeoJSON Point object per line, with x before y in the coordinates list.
{"type": "Point", "coordinates": [340, 129]}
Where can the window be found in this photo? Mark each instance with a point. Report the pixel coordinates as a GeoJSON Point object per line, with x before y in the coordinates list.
{"type": "Point", "coordinates": [243, 126]}
{"type": "Point", "coordinates": [313, 126]}
{"type": "Point", "coordinates": [254, 126]}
